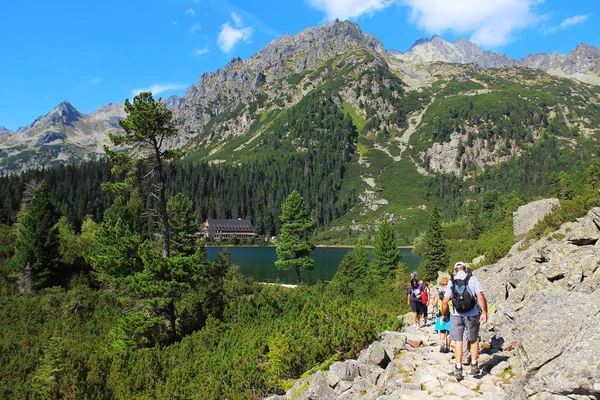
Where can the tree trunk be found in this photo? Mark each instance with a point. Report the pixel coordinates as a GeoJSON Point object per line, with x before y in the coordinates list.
{"type": "Point", "coordinates": [162, 209]}
{"type": "Point", "coordinates": [24, 279]}
{"type": "Point", "coordinates": [162, 200]}
{"type": "Point", "coordinates": [298, 277]}
{"type": "Point", "coordinates": [169, 316]}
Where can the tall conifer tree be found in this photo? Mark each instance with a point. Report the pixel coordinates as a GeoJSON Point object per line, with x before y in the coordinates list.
{"type": "Point", "coordinates": [147, 131]}
{"type": "Point", "coordinates": [435, 252]}
{"type": "Point", "coordinates": [387, 255]}
{"type": "Point", "coordinates": [294, 246]}
{"type": "Point", "coordinates": [36, 254]}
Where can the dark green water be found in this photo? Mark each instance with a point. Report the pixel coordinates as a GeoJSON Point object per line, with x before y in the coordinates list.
{"type": "Point", "coordinates": [259, 263]}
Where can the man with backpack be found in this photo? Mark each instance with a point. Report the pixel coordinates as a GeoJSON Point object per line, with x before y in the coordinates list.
{"type": "Point", "coordinates": [466, 293]}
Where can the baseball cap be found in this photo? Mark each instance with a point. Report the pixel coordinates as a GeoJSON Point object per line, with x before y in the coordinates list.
{"type": "Point", "coordinates": [459, 265]}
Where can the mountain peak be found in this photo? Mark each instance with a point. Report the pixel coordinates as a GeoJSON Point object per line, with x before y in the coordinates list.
{"type": "Point", "coordinates": [65, 113]}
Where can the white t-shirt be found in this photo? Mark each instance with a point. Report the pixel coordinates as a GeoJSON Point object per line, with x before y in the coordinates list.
{"type": "Point", "coordinates": [474, 286]}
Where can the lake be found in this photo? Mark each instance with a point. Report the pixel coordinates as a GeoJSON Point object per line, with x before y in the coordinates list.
{"type": "Point", "coordinates": [259, 263]}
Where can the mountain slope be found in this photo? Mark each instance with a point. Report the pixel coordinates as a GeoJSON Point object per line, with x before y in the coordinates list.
{"type": "Point", "coordinates": [425, 128]}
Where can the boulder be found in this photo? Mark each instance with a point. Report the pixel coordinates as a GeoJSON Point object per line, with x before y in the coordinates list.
{"type": "Point", "coordinates": [375, 355]}
{"type": "Point", "coordinates": [392, 343]}
{"type": "Point", "coordinates": [318, 388]}
{"type": "Point", "coordinates": [525, 218]}
{"type": "Point", "coordinates": [342, 371]}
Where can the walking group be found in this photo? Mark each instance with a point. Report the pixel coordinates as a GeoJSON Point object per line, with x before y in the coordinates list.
{"type": "Point", "coordinates": [460, 307]}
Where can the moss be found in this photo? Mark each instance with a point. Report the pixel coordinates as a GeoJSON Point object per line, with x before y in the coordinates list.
{"type": "Point", "coordinates": [323, 366]}
{"type": "Point", "coordinates": [300, 390]}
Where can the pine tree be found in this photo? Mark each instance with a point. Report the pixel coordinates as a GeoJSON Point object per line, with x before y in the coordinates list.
{"type": "Point", "coordinates": [352, 271]}
{"type": "Point", "coordinates": [36, 253]}
{"type": "Point", "coordinates": [435, 251]}
{"type": "Point", "coordinates": [386, 253]}
{"type": "Point", "coordinates": [294, 246]}
{"type": "Point", "coordinates": [147, 130]}
{"type": "Point", "coordinates": [181, 224]}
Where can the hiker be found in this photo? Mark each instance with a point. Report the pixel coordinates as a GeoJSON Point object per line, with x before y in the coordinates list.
{"type": "Point", "coordinates": [466, 292]}
{"type": "Point", "coordinates": [443, 328]}
{"type": "Point", "coordinates": [414, 301]}
{"type": "Point", "coordinates": [425, 298]}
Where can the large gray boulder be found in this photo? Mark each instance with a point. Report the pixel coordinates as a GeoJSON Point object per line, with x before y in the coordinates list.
{"type": "Point", "coordinates": [525, 218]}
{"type": "Point", "coordinates": [545, 301]}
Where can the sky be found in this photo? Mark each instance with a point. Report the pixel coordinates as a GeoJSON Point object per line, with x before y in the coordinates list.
{"type": "Point", "coordinates": [92, 53]}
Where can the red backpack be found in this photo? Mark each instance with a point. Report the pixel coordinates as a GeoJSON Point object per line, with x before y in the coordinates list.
{"type": "Point", "coordinates": [424, 297]}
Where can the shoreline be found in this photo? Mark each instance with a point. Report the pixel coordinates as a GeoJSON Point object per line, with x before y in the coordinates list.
{"type": "Point", "coordinates": [331, 246]}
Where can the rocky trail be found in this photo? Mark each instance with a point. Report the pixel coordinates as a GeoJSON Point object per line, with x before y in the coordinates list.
{"type": "Point", "coordinates": [409, 365]}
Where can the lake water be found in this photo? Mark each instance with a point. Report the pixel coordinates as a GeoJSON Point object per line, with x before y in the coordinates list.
{"type": "Point", "coordinates": [259, 263]}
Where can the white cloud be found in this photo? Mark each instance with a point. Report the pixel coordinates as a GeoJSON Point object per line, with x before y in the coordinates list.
{"type": "Point", "coordinates": [190, 11]}
{"type": "Point", "coordinates": [577, 19]}
{"type": "Point", "coordinates": [158, 88]}
{"type": "Point", "coordinates": [202, 51]}
{"type": "Point", "coordinates": [349, 9]}
{"type": "Point", "coordinates": [230, 36]}
{"type": "Point", "coordinates": [491, 23]}
{"type": "Point", "coordinates": [174, 23]}
{"type": "Point", "coordinates": [95, 81]}
{"type": "Point", "coordinates": [195, 28]}
{"type": "Point", "coordinates": [237, 20]}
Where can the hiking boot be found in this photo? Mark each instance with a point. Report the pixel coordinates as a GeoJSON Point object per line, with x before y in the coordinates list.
{"type": "Point", "coordinates": [443, 348]}
{"type": "Point", "coordinates": [474, 370]}
{"type": "Point", "coordinates": [458, 373]}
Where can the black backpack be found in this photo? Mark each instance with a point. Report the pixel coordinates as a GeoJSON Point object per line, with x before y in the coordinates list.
{"type": "Point", "coordinates": [462, 299]}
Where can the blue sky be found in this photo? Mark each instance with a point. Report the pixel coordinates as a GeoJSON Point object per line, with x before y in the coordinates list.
{"type": "Point", "coordinates": [94, 53]}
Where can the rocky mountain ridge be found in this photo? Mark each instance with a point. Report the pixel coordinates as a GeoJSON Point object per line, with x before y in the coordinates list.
{"type": "Point", "coordinates": [581, 63]}
{"type": "Point", "coordinates": [242, 99]}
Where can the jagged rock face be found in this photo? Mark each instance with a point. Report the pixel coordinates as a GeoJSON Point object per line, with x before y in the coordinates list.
{"type": "Point", "coordinates": [241, 82]}
{"type": "Point", "coordinates": [63, 135]}
{"type": "Point", "coordinates": [546, 301]}
{"type": "Point", "coordinates": [584, 59]}
{"type": "Point", "coordinates": [4, 131]}
{"type": "Point", "coordinates": [461, 51]}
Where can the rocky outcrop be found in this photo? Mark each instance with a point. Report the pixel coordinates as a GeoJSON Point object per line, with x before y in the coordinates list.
{"type": "Point", "coordinates": [525, 218]}
{"type": "Point", "coordinates": [545, 301]}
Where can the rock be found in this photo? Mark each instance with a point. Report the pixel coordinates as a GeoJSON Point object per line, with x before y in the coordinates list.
{"type": "Point", "coordinates": [319, 388]}
{"type": "Point", "coordinates": [370, 372]}
{"type": "Point", "coordinates": [390, 372]}
{"type": "Point", "coordinates": [414, 341]}
{"type": "Point", "coordinates": [342, 371]}
{"type": "Point", "coordinates": [500, 368]}
{"type": "Point", "coordinates": [421, 376]}
{"type": "Point", "coordinates": [404, 394]}
{"type": "Point", "coordinates": [392, 342]}
{"type": "Point", "coordinates": [406, 365]}
{"type": "Point", "coordinates": [459, 390]}
{"type": "Point", "coordinates": [525, 218]}
{"type": "Point", "coordinates": [374, 354]}
{"type": "Point", "coordinates": [299, 388]}
{"type": "Point", "coordinates": [342, 386]}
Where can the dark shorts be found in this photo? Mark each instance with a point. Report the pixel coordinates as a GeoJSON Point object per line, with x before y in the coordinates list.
{"type": "Point", "coordinates": [415, 306]}
{"type": "Point", "coordinates": [423, 310]}
{"type": "Point", "coordinates": [458, 325]}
